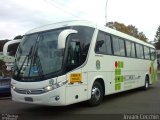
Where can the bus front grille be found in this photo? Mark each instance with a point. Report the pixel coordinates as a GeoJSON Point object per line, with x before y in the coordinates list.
{"type": "Point", "coordinates": [29, 91]}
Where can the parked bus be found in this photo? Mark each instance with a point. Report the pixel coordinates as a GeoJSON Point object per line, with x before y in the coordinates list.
{"type": "Point", "coordinates": [69, 62]}
{"type": "Point", "coordinates": [3, 71]}
{"type": "Point", "coordinates": [2, 43]}
{"type": "Point", "coordinates": [8, 49]}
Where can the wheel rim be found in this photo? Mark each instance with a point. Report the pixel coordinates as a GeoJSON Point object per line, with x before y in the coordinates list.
{"type": "Point", "coordinates": [147, 84]}
{"type": "Point", "coordinates": [96, 93]}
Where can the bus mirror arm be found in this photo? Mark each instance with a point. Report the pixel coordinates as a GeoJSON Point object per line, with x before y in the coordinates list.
{"type": "Point", "coordinates": [63, 36]}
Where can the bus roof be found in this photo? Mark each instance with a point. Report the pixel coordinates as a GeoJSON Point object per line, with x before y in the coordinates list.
{"type": "Point", "coordinates": [89, 24]}
{"type": "Point", "coordinates": [62, 24]}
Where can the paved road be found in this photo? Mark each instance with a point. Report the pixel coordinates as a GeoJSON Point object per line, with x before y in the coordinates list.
{"type": "Point", "coordinates": [135, 101]}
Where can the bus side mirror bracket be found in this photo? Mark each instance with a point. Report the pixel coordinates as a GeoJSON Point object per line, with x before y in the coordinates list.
{"type": "Point", "coordinates": [63, 36]}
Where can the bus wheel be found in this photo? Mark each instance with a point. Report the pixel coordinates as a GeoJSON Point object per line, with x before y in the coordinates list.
{"type": "Point", "coordinates": [146, 85]}
{"type": "Point", "coordinates": [96, 94]}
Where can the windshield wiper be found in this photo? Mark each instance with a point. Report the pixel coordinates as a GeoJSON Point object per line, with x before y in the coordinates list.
{"type": "Point", "coordinates": [15, 67]}
{"type": "Point", "coordinates": [38, 62]}
{"type": "Point", "coordinates": [26, 57]}
{"type": "Point", "coordinates": [35, 61]}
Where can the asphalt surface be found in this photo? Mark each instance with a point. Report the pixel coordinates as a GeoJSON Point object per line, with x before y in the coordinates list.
{"type": "Point", "coordinates": [135, 101]}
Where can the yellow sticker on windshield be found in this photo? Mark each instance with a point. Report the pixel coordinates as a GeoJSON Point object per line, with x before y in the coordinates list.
{"type": "Point", "coordinates": [75, 77]}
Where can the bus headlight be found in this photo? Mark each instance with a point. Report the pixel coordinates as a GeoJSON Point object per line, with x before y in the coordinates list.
{"type": "Point", "coordinates": [54, 86]}
{"type": "Point", "coordinates": [13, 87]}
{"type": "Point", "coordinates": [48, 88]}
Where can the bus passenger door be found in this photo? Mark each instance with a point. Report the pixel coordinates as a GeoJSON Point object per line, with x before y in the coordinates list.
{"type": "Point", "coordinates": [76, 89]}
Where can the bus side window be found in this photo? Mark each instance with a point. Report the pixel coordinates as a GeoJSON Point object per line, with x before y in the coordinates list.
{"type": "Point", "coordinates": [130, 49]}
{"type": "Point", "coordinates": [152, 54]}
{"type": "Point", "coordinates": [100, 44]}
{"type": "Point", "coordinates": [118, 46]}
{"type": "Point", "coordinates": [108, 44]}
{"type": "Point", "coordinates": [133, 50]}
{"type": "Point", "coordinates": [12, 49]}
{"type": "Point", "coordinates": [139, 51]}
{"type": "Point", "coordinates": [115, 46]}
{"type": "Point", "coordinates": [146, 52]}
{"type": "Point", "coordinates": [121, 47]}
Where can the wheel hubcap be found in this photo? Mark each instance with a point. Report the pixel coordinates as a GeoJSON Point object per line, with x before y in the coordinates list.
{"type": "Point", "coordinates": [96, 93]}
{"type": "Point", "coordinates": [146, 84]}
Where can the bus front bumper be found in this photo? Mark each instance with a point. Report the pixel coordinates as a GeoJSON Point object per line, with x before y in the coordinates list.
{"type": "Point", "coordinates": [54, 97]}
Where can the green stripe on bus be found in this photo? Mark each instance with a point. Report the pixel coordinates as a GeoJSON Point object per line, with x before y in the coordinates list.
{"type": "Point", "coordinates": [118, 86]}
{"type": "Point", "coordinates": [122, 78]}
{"type": "Point", "coordinates": [119, 64]}
{"type": "Point", "coordinates": [117, 71]}
{"type": "Point", "coordinates": [122, 64]}
{"type": "Point", "coordinates": [119, 78]}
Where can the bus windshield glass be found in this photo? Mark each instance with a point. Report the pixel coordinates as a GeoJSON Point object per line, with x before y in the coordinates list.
{"type": "Point", "coordinates": [38, 55]}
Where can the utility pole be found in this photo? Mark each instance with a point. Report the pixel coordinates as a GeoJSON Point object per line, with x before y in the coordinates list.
{"type": "Point", "coordinates": [106, 12]}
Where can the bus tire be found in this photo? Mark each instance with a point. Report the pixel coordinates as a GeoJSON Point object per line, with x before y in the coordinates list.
{"type": "Point", "coordinates": [146, 85]}
{"type": "Point", "coordinates": [96, 94]}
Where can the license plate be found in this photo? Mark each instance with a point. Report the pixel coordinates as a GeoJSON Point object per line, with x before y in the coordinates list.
{"type": "Point", "coordinates": [28, 99]}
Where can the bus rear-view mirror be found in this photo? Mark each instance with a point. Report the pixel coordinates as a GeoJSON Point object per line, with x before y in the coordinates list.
{"type": "Point", "coordinates": [63, 36]}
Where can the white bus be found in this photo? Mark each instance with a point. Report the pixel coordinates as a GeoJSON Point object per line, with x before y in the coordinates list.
{"type": "Point", "coordinates": [7, 53]}
{"type": "Point", "coordinates": [2, 43]}
{"type": "Point", "coordinates": [2, 63]}
{"type": "Point", "coordinates": [69, 62]}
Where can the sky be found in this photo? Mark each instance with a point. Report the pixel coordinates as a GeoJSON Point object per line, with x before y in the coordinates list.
{"type": "Point", "coordinates": [19, 16]}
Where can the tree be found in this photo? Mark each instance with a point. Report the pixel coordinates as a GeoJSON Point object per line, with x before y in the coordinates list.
{"type": "Point", "coordinates": [130, 30]}
{"type": "Point", "coordinates": [157, 36]}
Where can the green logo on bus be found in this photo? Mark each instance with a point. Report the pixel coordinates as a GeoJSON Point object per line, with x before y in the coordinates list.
{"type": "Point", "coordinates": [118, 76]}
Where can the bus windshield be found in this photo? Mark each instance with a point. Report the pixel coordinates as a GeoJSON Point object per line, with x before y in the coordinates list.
{"type": "Point", "coordinates": [38, 55]}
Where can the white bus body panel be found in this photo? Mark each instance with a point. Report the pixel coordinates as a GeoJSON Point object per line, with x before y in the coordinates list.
{"type": "Point", "coordinates": [76, 92]}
